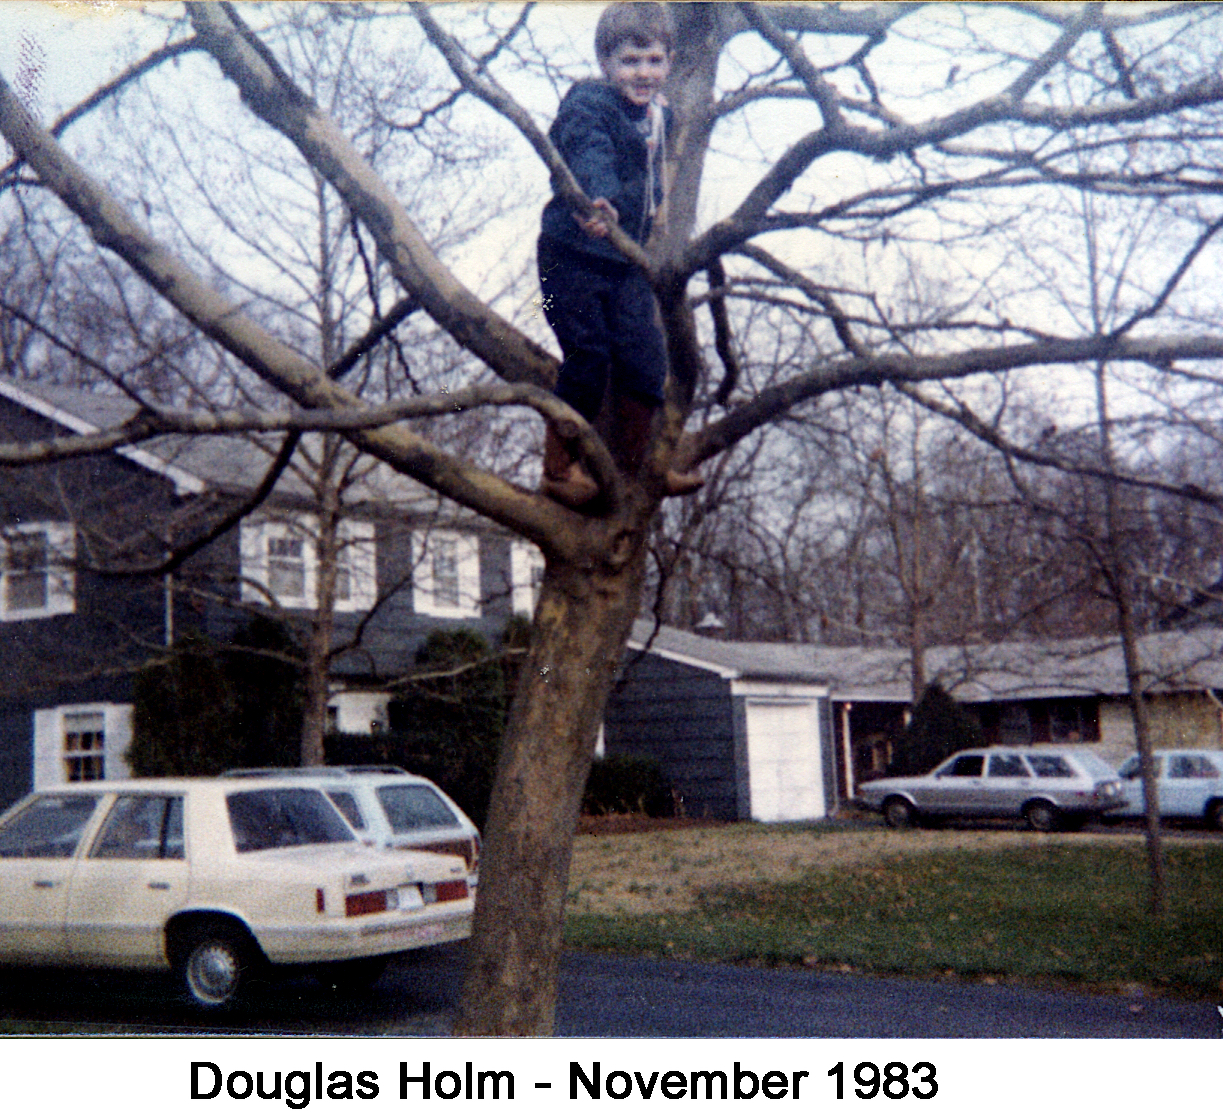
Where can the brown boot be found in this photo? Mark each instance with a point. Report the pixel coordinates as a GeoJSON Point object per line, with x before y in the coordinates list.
{"type": "Point", "coordinates": [565, 480]}
{"type": "Point", "coordinates": [635, 427]}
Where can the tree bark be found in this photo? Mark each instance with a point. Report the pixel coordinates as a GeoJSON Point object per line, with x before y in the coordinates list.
{"type": "Point", "coordinates": [581, 626]}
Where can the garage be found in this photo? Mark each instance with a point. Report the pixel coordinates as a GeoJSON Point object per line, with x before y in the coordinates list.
{"type": "Point", "coordinates": [785, 777]}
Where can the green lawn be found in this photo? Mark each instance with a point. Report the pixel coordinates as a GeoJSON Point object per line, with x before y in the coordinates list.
{"type": "Point", "coordinates": [1069, 913]}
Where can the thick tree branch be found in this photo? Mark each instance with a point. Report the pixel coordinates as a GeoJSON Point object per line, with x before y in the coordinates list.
{"type": "Point", "coordinates": [535, 517]}
{"type": "Point", "coordinates": [274, 98]}
{"type": "Point", "coordinates": [488, 91]}
{"type": "Point", "coordinates": [1083, 21]}
{"type": "Point", "coordinates": [898, 369]}
{"type": "Point", "coordinates": [150, 423]}
{"type": "Point", "coordinates": [821, 92]}
{"type": "Point", "coordinates": [988, 433]}
{"type": "Point", "coordinates": [884, 144]}
{"type": "Point", "coordinates": [150, 62]}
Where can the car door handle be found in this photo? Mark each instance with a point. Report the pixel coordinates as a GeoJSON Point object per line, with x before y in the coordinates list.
{"type": "Point", "coordinates": [44, 884]}
{"type": "Point", "coordinates": [159, 885]}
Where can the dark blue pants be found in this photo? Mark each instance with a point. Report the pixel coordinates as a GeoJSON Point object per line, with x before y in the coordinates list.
{"type": "Point", "coordinates": [604, 316]}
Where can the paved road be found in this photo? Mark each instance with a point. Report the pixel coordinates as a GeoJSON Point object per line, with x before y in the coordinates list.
{"type": "Point", "coordinates": [607, 996]}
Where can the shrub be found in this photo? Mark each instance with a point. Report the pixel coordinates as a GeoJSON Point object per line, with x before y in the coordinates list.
{"type": "Point", "coordinates": [627, 783]}
{"type": "Point", "coordinates": [939, 728]}
{"type": "Point", "coordinates": [446, 724]}
{"type": "Point", "coordinates": [205, 706]}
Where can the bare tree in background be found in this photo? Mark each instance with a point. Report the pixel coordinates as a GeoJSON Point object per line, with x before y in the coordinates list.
{"type": "Point", "coordinates": [888, 125]}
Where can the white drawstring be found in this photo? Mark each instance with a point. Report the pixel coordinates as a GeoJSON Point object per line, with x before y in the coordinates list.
{"type": "Point", "coordinates": [656, 152]}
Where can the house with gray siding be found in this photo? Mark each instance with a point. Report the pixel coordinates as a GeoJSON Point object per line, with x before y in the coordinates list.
{"type": "Point", "coordinates": [84, 601]}
{"type": "Point", "coordinates": [776, 732]}
{"type": "Point", "coordinates": [742, 730]}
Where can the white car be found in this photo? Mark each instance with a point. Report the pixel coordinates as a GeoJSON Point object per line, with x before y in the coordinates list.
{"type": "Point", "coordinates": [1049, 786]}
{"type": "Point", "coordinates": [1190, 785]}
{"type": "Point", "coordinates": [389, 807]}
{"type": "Point", "coordinates": [215, 879]}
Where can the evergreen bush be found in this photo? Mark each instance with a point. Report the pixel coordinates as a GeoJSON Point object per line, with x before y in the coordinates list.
{"type": "Point", "coordinates": [627, 783]}
{"type": "Point", "coordinates": [205, 707]}
{"type": "Point", "coordinates": [939, 727]}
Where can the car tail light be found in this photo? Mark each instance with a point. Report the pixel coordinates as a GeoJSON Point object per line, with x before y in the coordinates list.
{"type": "Point", "coordinates": [320, 900]}
{"type": "Point", "coordinates": [454, 890]}
{"type": "Point", "coordinates": [373, 901]}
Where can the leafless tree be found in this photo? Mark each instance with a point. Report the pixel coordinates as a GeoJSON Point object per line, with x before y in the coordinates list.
{"type": "Point", "coordinates": [890, 125]}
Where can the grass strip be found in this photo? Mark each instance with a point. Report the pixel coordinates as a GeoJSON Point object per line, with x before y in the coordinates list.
{"type": "Point", "coordinates": [1069, 914]}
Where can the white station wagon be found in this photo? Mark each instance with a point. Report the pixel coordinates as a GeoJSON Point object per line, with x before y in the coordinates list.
{"type": "Point", "coordinates": [388, 807]}
{"type": "Point", "coordinates": [1189, 782]}
{"type": "Point", "coordinates": [1048, 786]}
{"type": "Point", "coordinates": [214, 878]}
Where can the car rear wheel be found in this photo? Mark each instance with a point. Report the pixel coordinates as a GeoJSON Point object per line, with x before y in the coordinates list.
{"type": "Point", "coordinates": [1041, 816]}
{"type": "Point", "coordinates": [899, 813]}
{"type": "Point", "coordinates": [1214, 814]}
{"type": "Point", "coordinates": [215, 966]}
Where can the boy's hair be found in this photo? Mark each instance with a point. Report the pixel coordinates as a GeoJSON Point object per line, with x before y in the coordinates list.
{"type": "Point", "coordinates": [641, 24]}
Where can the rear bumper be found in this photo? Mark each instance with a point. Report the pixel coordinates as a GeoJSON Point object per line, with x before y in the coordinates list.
{"type": "Point", "coordinates": [355, 938]}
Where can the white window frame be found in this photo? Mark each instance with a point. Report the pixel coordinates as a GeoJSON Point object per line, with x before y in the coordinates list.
{"type": "Point", "coordinates": [357, 554]}
{"type": "Point", "coordinates": [526, 574]}
{"type": "Point", "coordinates": [51, 728]}
{"type": "Point", "coordinates": [60, 575]}
{"type": "Point", "coordinates": [424, 591]}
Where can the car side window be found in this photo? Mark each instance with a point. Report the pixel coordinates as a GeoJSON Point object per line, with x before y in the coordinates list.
{"type": "Point", "coordinates": [1007, 765]}
{"type": "Point", "coordinates": [347, 804]}
{"type": "Point", "coordinates": [1050, 765]}
{"type": "Point", "coordinates": [48, 828]}
{"type": "Point", "coordinates": [262, 819]}
{"type": "Point", "coordinates": [967, 765]}
{"type": "Point", "coordinates": [141, 827]}
{"type": "Point", "coordinates": [1191, 766]}
{"type": "Point", "coordinates": [1130, 770]}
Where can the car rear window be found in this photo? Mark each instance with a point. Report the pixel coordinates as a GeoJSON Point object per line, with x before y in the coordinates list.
{"type": "Point", "coordinates": [1050, 765]}
{"type": "Point", "coordinates": [263, 819]}
{"type": "Point", "coordinates": [49, 828]}
{"type": "Point", "coordinates": [415, 807]}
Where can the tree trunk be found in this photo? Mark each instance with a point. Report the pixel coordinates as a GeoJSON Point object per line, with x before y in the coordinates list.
{"type": "Point", "coordinates": [581, 626]}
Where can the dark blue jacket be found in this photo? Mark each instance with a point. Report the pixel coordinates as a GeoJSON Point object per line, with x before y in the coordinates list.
{"type": "Point", "coordinates": [601, 137]}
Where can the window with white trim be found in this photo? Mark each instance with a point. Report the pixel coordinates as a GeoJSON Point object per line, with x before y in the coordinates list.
{"type": "Point", "coordinates": [81, 742]}
{"type": "Point", "coordinates": [447, 574]}
{"type": "Point", "coordinates": [280, 560]}
{"type": "Point", "coordinates": [85, 746]}
{"type": "Point", "coordinates": [36, 576]}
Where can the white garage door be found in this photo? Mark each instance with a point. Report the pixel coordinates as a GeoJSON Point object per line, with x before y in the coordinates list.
{"type": "Point", "coordinates": [783, 754]}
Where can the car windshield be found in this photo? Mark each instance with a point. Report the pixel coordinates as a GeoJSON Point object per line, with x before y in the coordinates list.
{"type": "Point", "coordinates": [49, 828]}
{"type": "Point", "coordinates": [263, 819]}
{"type": "Point", "coordinates": [414, 807]}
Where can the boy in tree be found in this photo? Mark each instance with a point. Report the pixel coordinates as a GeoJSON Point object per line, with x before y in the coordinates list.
{"type": "Point", "coordinates": [612, 134]}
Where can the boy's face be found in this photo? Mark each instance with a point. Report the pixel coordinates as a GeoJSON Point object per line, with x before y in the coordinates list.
{"type": "Point", "coordinates": [638, 73]}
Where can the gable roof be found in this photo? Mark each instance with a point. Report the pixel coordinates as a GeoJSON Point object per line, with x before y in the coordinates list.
{"type": "Point", "coordinates": [197, 463]}
{"type": "Point", "coordinates": [1178, 661]}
